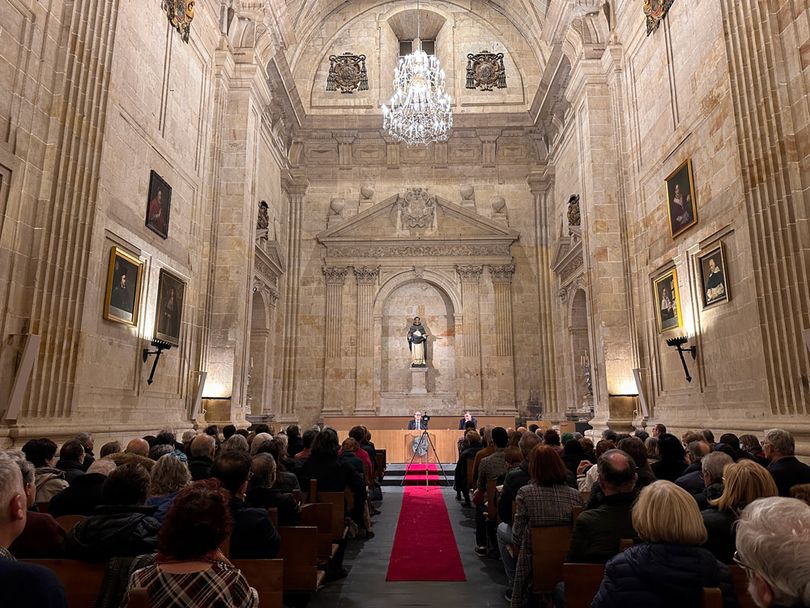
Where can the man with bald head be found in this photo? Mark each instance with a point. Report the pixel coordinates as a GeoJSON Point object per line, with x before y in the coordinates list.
{"type": "Point", "coordinates": [21, 585]}
{"type": "Point", "coordinates": [203, 448]}
{"type": "Point", "coordinates": [138, 446]}
{"type": "Point", "coordinates": [597, 532]}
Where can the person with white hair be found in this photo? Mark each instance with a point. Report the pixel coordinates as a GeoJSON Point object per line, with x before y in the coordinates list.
{"type": "Point", "coordinates": [773, 537]}
{"type": "Point", "coordinates": [786, 470]}
{"type": "Point", "coordinates": [21, 585]}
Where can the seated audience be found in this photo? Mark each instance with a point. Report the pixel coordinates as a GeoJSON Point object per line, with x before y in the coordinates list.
{"type": "Point", "coordinates": [71, 460]}
{"type": "Point", "coordinates": [228, 431]}
{"type": "Point", "coordinates": [253, 536]}
{"type": "Point", "coordinates": [348, 453]}
{"type": "Point", "coordinates": [598, 532]}
{"type": "Point", "coordinates": [21, 585]}
{"type": "Point", "coordinates": [122, 526]}
{"type": "Point", "coordinates": [86, 439]}
{"type": "Point", "coordinates": [471, 446]}
{"type": "Point", "coordinates": [111, 447]}
{"type": "Point", "coordinates": [551, 438]}
{"type": "Point", "coordinates": [358, 433]}
{"type": "Point", "coordinates": [136, 452]}
{"type": "Point", "coordinates": [641, 434]}
{"type": "Point", "coordinates": [235, 442]}
{"type": "Point", "coordinates": [644, 475]}
{"type": "Point", "coordinates": [190, 570]}
{"type": "Point", "coordinates": [158, 450]}
{"type": "Point", "coordinates": [138, 446]}
{"type": "Point", "coordinates": [743, 483]}
{"type": "Point", "coordinates": [168, 477]}
{"type": "Point", "coordinates": [262, 495]}
{"type": "Point", "coordinates": [587, 474]}
{"type": "Point", "coordinates": [306, 441]}
{"type": "Point", "coordinates": [546, 501]}
{"type": "Point", "coordinates": [42, 537]}
{"type": "Point", "coordinates": [751, 446]}
{"type": "Point", "coordinates": [286, 479]}
{"type": "Point", "coordinates": [692, 478]}
{"type": "Point", "coordinates": [294, 442]}
{"type": "Point", "coordinates": [672, 462]}
{"type": "Point", "coordinates": [772, 540]}
{"type": "Point", "coordinates": [515, 479]}
{"type": "Point", "coordinates": [493, 467]}
{"type": "Point", "coordinates": [202, 451]}
{"type": "Point", "coordinates": [658, 430]}
{"type": "Point", "coordinates": [588, 449]}
{"type": "Point", "coordinates": [712, 467]}
{"type": "Point", "coordinates": [801, 491]}
{"type": "Point", "coordinates": [573, 454]}
{"type": "Point", "coordinates": [669, 568]}
{"type": "Point", "coordinates": [780, 447]}
{"type": "Point", "coordinates": [651, 444]}
{"type": "Point", "coordinates": [84, 494]}
{"type": "Point", "coordinates": [488, 449]}
{"type": "Point", "coordinates": [258, 443]}
{"type": "Point", "coordinates": [50, 481]}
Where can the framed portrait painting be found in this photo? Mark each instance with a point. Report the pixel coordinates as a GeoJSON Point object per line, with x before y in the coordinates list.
{"type": "Point", "coordinates": [713, 277]}
{"type": "Point", "coordinates": [159, 205]}
{"type": "Point", "coordinates": [123, 295]}
{"type": "Point", "coordinates": [681, 202]}
{"type": "Point", "coordinates": [169, 311]}
{"type": "Point", "coordinates": [667, 301]}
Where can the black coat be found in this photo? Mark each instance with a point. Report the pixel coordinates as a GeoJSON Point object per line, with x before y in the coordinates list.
{"type": "Point", "coordinates": [598, 532]}
{"type": "Point", "coordinates": [412, 425]}
{"type": "Point", "coordinates": [114, 531]}
{"type": "Point", "coordinates": [515, 479]}
{"type": "Point", "coordinates": [668, 469]}
{"type": "Point", "coordinates": [25, 585]}
{"type": "Point", "coordinates": [80, 498]}
{"type": "Point", "coordinates": [253, 535]}
{"type": "Point", "coordinates": [787, 472]}
{"type": "Point", "coordinates": [71, 469]}
{"type": "Point", "coordinates": [200, 467]}
{"type": "Point", "coordinates": [460, 476]}
{"type": "Point", "coordinates": [294, 445]}
{"type": "Point", "coordinates": [662, 576]}
{"type": "Point", "coordinates": [266, 498]}
{"type": "Point", "coordinates": [720, 527]}
{"type": "Point", "coordinates": [691, 481]}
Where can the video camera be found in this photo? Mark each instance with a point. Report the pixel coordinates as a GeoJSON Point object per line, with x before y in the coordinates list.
{"type": "Point", "coordinates": [425, 418]}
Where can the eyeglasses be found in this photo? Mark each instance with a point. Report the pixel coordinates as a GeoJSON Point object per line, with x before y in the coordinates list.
{"type": "Point", "coordinates": [738, 560]}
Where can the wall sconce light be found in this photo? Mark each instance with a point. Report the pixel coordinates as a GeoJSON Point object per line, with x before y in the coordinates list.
{"type": "Point", "coordinates": [160, 345]}
{"type": "Point", "coordinates": [678, 344]}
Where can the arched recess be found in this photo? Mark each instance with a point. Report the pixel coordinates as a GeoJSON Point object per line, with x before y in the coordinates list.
{"type": "Point", "coordinates": [580, 361]}
{"type": "Point", "coordinates": [260, 373]}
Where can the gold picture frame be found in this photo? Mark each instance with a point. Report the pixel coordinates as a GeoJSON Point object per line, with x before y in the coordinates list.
{"type": "Point", "coordinates": [667, 302]}
{"type": "Point", "coordinates": [681, 199]}
{"type": "Point", "coordinates": [122, 298]}
{"type": "Point", "coordinates": [713, 277]}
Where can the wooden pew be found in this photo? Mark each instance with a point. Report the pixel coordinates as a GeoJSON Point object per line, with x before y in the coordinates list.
{"type": "Point", "coordinates": [740, 579]}
{"type": "Point", "coordinates": [299, 550]}
{"type": "Point", "coordinates": [380, 465]}
{"type": "Point", "coordinates": [66, 522]}
{"type": "Point", "coordinates": [581, 583]}
{"type": "Point", "coordinates": [552, 543]}
{"type": "Point", "coordinates": [319, 515]}
{"type": "Point", "coordinates": [272, 513]}
{"type": "Point", "coordinates": [81, 580]}
{"type": "Point", "coordinates": [338, 519]}
{"type": "Point", "coordinates": [712, 598]}
{"type": "Point", "coordinates": [138, 598]}
{"type": "Point", "coordinates": [266, 576]}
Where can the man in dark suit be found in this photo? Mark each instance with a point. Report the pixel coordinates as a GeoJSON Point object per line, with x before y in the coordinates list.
{"type": "Point", "coordinates": [786, 470]}
{"type": "Point", "coordinates": [417, 424]}
{"type": "Point", "coordinates": [468, 417]}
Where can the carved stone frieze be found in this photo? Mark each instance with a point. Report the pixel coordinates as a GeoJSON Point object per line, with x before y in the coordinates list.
{"type": "Point", "coordinates": [502, 273]}
{"type": "Point", "coordinates": [469, 273]}
{"type": "Point", "coordinates": [372, 250]}
{"type": "Point", "coordinates": [335, 275]}
{"type": "Point", "coordinates": [366, 275]}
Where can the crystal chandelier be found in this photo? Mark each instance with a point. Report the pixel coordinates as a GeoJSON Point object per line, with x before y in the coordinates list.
{"type": "Point", "coordinates": [419, 110]}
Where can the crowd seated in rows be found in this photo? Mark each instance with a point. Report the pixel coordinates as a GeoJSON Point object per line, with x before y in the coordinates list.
{"type": "Point", "coordinates": [71, 460]}
{"type": "Point", "coordinates": [85, 494]}
{"type": "Point", "coordinates": [672, 458]}
{"type": "Point", "coordinates": [168, 477]}
{"type": "Point", "coordinates": [49, 480]}
{"type": "Point", "coordinates": [262, 494]}
{"type": "Point", "coordinates": [779, 448]}
{"type": "Point", "coordinates": [492, 467]}
{"type": "Point", "coordinates": [470, 446]}
{"type": "Point", "coordinates": [202, 450]}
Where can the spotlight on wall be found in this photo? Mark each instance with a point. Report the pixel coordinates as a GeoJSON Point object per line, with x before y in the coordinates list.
{"type": "Point", "coordinates": [160, 345]}
{"type": "Point", "coordinates": [678, 344]}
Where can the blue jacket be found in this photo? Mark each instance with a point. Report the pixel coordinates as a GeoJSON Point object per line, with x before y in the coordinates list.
{"type": "Point", "coordinates": [663, 576]}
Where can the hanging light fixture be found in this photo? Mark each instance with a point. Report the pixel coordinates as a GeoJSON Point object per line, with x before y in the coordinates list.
{"type": "Point", "coordinates": [419, 110]}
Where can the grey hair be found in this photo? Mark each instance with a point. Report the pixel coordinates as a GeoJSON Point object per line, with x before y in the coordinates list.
{"type": "Point", "coordinates": [26, 468]}
{"type": "Point", "coordinates": [781, 441]}
{"type": "Point", "coordinates": [258, 440]}
{"type": "Point", "coordinates": [104, 466]}
{"type": "Point", "coordinates": [188, 436]}
{"type": "Point", "coordinates": [696, 449]}
{"type": "Point", "coordinates": [263, 467]}
{"type": "Point", "coordinates": [772, 539]}
{"type": "Point", "coordinates": [169, 474]}
{"type": "Point", "coordinates": [714, 463]}
{"type": "Point", "coordinates": [235, 443]}
{"type": "Point", "coordinates": [202, 445]}
{"type": "Point", "coordinates": [527, 442]}
{"type": "Point", "coordinates": [11, 483]}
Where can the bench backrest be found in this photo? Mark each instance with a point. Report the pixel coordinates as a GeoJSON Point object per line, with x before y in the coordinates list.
{"type": "Point", "coordinates": [552, 544]}
{"type": "Point", "coordinates": [581, 583]}
{"type": "Point", "coordinates": [266, 576]}
{"type": "Point", "coordinates": [299, 550]}
{"type": "Point", "coordinates": [81, 580]}
{"type": "Point", "coordinates": [712, 598]}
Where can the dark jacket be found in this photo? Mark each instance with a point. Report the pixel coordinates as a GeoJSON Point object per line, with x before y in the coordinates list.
{"type": "Point", "coordinates": [200, 467]}
{"type": "Point", "coordinates": [787, 472]}
{"type": "Point", "coordinates": [722, 538]}
{"type": "Point", "coordinates": [253, 536]}
{"type": "Point", "coordinates": [597, 532]}
{"type": "Point", "coordinates": [29, 586]}
{"type": "Point", "coordinates": [668, 469]}
{"type": "Point", "coordinates": [89, 458]}
{"type": "Point", "coordinates": [114, 531]}
{"type": "Point", "coordinates": [463, 423]}
{"type": "Point", "coordinates": [515, 479]}
{"type": "Point", "coordinates": [41, 538]}
{"type": "Point", "coordinates": [691, 482]}
{"type": "Point", "coordinates": [645, 478]}
{"type": "Point", "coordinates": [460, 477]}
{"type": "Point", "coordinates": [662, 576]}
{"type": "Point", "coordinates": [422, 425]}
{"type": "Point", "coordinates": [266, 498]}
{"type": "Point", "coordinates": [712, 492]}
{"type": "Point", "coordinates": [80, 498]}
{"type": "Point", "coordinates": [332, 474]}
{"type": "Point", "coordinates": [71, 469]}
{"type": "Point", "coordinates": [294, 445]}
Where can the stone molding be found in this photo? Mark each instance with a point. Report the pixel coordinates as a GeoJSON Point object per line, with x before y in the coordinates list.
{"type": "Point", "coordinates": [502, 273]}
{"type": "Point", "coordinates": [335, 275]}
{"type": "Point", "coordinates": [366, 275]}
{"type": "Point", "coordinates": [469, 273]}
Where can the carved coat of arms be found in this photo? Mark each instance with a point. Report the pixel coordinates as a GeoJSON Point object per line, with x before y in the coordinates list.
{"type": "Point", "coordinates": [416, 212]}
{"type": "Point", "coordinates": [180, 14]}
{"type": "Point", "coordinates": [655, 11]}
{"type": "Point", "coordinates": [347, 72]}
{"type": "Point", "coordinates": [485, 70]}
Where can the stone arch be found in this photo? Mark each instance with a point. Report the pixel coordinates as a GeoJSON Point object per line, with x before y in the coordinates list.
{"type": "Point", "coordinates": [430, 276]}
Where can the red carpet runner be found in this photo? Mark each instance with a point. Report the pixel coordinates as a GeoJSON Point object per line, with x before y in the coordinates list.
{"type": "Point", "coordinates": [425, 547]}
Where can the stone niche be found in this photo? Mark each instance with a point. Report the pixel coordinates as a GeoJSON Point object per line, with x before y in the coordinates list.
{"type": "Point", "coordinates": [415, 254]}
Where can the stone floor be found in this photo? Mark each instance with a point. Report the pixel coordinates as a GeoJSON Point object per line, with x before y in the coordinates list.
{"type": "Point", "coordinates": [366, 586]}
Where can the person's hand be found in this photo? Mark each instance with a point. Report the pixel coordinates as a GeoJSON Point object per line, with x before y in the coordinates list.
{"type": "Point", "coordinates": [584, 465]}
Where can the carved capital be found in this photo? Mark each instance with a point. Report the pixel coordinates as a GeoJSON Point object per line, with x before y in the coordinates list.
{"type": "Point", "coordinates": [335, 275]}
{"type": "Point", "coordinates": [295, 185]}
{"type": "Point", "coordinates": [366, 275]}
{"type": "Point", "coordinates": [470, 273]}
{"type": "Point", "coordinates": [272, 297]}
{"type": "Point", "coordinates": [502, 273]}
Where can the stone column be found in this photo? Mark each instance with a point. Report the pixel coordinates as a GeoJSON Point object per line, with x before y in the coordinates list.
{"type": "Point", "coordinates": [504, 387]}
{"type": "Point", "coordinates": [295, 186]}
{"type": "Point", "coordinates": [541, 186]}
{"type": "Point", "coordinates": [334, 277]}
{"type": "Point", "coordinates": [364, 385]}
{"type": "Point", "coordinates": [471, 389]}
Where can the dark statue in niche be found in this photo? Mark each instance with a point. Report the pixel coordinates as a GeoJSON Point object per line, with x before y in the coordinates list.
{"type": "Point", "coordinates": [347, 72]}
{"type": "Point", "coordinates": [574, 217]}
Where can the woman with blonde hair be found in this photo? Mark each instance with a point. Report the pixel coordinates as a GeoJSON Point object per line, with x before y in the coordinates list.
{"type": "Point", "coordinates": [168, 477]}
{"type": "Point", "coordinates": [668, 568]}
{"type": "Point", "coordinates": [743, 483]}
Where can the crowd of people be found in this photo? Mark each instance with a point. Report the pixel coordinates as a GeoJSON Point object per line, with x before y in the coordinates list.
{"type": "Point", "coordinates": [690, 507]}
{"type": "Point", "coordinates": [160, 510]}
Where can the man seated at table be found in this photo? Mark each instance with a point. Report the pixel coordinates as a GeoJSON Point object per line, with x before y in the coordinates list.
{"type": "Point", "coordinates": [417, 424]}
{"type": "Point", "coordinates": [468, 417]}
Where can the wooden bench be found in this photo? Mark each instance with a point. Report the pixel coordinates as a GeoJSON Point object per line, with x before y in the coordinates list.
{"type": "Point", "coordinates": [266, 576]}
{"type": "Point", "coordinates": [338, 502]}
{"type": "Point", "coordinates": [712, 598]}
{"type": "Point", "coordinates": [67, 522]}
{"type": "Point", "coordinates": [81, 580]}
{"type": "Point", "coordinates": [299, 550]}
{"type": "Point", "coordinates": [319, 515]}
{"type": "Point", "coordinates": [552, 543]}
{"type": "Point", "coordinates": [581, 583]}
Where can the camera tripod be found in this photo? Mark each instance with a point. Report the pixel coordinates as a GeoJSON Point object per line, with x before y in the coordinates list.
{"type": "Point", "coordinates": [424, 440]}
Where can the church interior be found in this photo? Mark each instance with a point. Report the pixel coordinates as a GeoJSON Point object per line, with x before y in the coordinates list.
{"type": "Point", "coordinates": [598, 210]}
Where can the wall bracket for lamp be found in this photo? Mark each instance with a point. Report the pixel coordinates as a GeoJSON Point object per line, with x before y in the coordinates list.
{"type": "Point", "coordinates": [160, 345]}
{"type": "Point", "coordinates": [678, 344]}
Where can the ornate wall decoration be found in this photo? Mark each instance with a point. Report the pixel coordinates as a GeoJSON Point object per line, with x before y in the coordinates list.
{"type": "Point", "coordinates": [366, 275]}
{"type": "Point", "coordinates": [655, 11]}
{"type": "Point", "coordinates": [470, 273]}
{"type": "Point", "coordinates": [485, 70]}
{"type": "Point", "coordinates": [180, 14]}
{"type": "Point", "coordinates": [347, 72]}
{"type": "Point", "coordinates": [574, 217]}
{"type": "Point", "coordinates": [416, 211]}
{"type": "Point", "coordinates": [502, 273]}
{"type": "Point", "coordinates": [335, 275]}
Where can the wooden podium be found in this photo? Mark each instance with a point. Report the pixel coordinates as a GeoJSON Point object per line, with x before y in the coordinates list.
{"type": "Point", "coordinates": [410, 440]}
